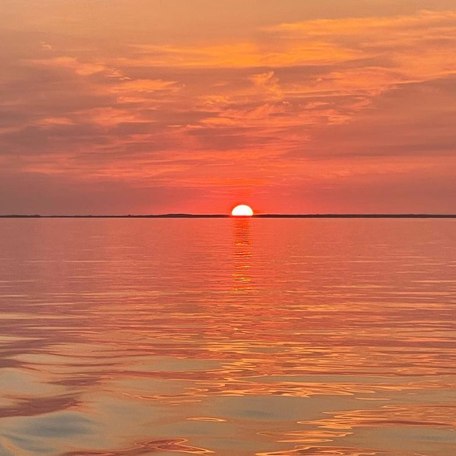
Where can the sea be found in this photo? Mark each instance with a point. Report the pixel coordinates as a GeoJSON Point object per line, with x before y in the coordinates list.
{"type": "Point", "coordinates": [231, 337]}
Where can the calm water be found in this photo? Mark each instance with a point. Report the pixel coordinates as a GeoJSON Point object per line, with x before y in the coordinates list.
{"type": "Point", "coordinates": [227, 337]}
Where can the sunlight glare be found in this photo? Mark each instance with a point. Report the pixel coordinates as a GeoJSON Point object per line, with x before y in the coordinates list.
{"type": "Point", "coordinates": [242, 211]}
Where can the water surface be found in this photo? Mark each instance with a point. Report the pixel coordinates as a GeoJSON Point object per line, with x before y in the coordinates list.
{"type": "Point", "coordinates": [228, 337]}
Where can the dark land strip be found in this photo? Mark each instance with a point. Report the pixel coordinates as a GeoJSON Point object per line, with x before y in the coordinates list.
{"type": "Point", "coordinates": [307, 216]}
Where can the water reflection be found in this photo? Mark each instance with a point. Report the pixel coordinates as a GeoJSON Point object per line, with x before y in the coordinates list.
{"type": "Point", "coordinates": [242, 253]}
{"type": "Point", "coordinates": [229, 337]}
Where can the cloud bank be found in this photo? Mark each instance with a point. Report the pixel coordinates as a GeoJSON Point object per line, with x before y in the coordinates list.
{"type": "Point", "coordinates": [350, 113]}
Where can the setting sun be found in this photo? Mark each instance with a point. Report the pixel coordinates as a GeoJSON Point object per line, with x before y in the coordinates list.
{"type": "Point", "coordinates": [242, 211]}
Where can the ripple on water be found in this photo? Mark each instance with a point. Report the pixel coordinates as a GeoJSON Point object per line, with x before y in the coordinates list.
{"type": "Point", "coordinates": [227, 337]}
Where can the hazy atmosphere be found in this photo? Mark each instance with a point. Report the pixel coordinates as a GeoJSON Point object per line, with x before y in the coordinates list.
{"type": "Point", "coordinates": [155, 106]}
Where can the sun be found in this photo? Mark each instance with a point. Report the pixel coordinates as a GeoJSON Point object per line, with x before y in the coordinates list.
{"type": "Point", "coordinates": [242, 211]}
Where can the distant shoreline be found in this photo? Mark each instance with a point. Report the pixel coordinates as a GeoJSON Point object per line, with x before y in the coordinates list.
{"type": "Point", "coordinates": [307, 216]}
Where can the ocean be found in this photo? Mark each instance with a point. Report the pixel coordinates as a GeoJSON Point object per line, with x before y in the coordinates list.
{"type": "Point", "coordinates": [284, 337]}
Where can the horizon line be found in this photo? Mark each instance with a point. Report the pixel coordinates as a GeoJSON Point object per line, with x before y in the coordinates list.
{"type": "Point", "coordinates": [266, 215]}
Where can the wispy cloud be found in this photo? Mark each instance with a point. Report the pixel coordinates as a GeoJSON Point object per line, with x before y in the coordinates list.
{"type": "Point", "coordinates": [293, 101]}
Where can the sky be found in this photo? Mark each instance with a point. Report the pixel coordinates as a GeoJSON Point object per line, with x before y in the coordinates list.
{"type": "Point", "coordinates": [291, 106]}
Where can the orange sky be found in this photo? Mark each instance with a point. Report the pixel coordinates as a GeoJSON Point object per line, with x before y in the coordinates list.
{"type": "Point", "coordinates": [149, 106]}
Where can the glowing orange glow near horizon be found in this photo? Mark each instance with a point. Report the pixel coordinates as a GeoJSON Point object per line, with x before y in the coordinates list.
{"type": "Point", "coordinates": [242, 210]}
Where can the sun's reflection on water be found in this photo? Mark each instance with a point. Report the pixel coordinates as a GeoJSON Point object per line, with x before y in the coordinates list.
{"type": "Point", "coordinates": [242, 254]}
